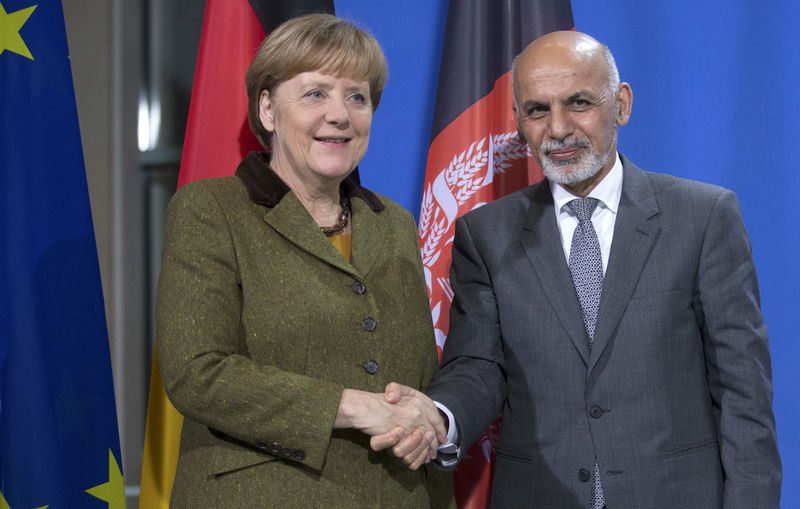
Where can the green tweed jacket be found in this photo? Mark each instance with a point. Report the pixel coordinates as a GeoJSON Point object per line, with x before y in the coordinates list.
{"type": "Point", "coordinates": [260, 326]}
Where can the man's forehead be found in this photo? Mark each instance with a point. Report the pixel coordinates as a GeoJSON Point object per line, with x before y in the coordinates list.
{"type": "Point", "coordinates": [560, 81]}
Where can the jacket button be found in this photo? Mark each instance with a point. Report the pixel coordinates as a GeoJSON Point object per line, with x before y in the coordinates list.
{"type": "Point", "coordinates": [298, 455]}
{"type": "Point", "coordinates": [584, 475]}
{"type": "Point", "coordinates": [369, 324]}
{"type": "Point", "coordinates": [359, 288]}
{"type": "Point", "coordinates": [371, 366]}
{"type": "Point", "coordinates": [596, 412]}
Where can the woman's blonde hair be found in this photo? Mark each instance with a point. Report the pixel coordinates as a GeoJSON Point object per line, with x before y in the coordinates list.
{"type": "Point", "coordinates": [314, 42]}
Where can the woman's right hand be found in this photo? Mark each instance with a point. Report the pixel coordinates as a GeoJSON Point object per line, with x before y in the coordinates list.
{"type": "Point", "coordinates": [412, 416]}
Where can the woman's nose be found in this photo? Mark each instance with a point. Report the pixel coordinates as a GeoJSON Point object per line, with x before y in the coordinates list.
{"type": "Point", "coordinates": [337, 112]}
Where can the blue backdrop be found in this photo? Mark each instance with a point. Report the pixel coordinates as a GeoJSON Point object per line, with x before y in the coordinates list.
{"type": "Point", "coordinates": [715, 99]}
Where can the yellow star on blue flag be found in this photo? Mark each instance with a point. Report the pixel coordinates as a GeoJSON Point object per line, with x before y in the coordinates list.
{"type": "Point", "coordinates": [10, 25]}
{"type": "Point", "coordinates": [112, 491]}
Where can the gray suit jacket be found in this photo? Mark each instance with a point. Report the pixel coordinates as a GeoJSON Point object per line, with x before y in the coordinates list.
{"type": "Point", "coordinates": [675, 398]}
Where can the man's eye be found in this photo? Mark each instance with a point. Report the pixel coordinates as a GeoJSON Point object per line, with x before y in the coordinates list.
{"type": "Point", "coordinates": [536, 112]}
{"type": "Point", "coordinates": [315, 94]}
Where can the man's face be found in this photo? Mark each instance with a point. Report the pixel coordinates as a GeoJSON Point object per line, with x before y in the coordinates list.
{"type": "Point", "coordinates": [568, 114]}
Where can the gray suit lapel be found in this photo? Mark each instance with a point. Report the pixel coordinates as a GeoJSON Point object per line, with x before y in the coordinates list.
{"type": "Point", "coordinates": [541, 242]}
{"type": "Point", "coordinates": [634, 237]}
{"type": "Point", "coordinates": [290, 219]}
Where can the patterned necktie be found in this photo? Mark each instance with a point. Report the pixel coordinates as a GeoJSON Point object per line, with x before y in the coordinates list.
{"type": "Point", "coordinates": [586, 266]}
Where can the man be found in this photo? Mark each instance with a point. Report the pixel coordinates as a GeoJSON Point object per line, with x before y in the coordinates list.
{"type": "Point", "coordinates": [610, 314]}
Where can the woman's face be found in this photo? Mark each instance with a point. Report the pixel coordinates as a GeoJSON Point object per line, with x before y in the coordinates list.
{"type": "Point", "coordinates": [320, 125]}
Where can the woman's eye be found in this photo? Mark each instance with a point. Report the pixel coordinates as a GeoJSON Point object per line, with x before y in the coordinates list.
{"type": "Point", "coordinates": [315, 94]}
{"type": "Point", "coordinates": [359, 98]}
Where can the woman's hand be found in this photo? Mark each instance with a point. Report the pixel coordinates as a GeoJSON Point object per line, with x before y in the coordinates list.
{"type": "Point", "coordinates": [407, 447]}
{"type": "Point", "coordinates": [409, 418]}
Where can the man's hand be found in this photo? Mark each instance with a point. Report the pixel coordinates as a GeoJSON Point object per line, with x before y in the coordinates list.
{"type": "Point", "coordinates": [414, 448]}
{"type": "Point", "coordinates": [410, 422]}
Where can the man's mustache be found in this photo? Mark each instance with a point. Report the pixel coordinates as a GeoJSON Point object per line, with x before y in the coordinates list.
{"type": "Point", "coordinates": [566, 144]}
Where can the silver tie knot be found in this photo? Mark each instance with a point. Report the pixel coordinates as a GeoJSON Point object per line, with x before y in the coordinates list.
{"type": "Point", "coordinates": [583, 208]}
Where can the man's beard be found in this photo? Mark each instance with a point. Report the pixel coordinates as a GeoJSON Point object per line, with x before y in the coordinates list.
{"type": "Point", "coordinates": [577, 169]}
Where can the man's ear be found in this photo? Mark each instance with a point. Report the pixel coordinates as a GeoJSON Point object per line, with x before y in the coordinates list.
{"type": "Point", "coordinates": [266, 113]}
{"type": "Point", "coordinates": [624, 104]}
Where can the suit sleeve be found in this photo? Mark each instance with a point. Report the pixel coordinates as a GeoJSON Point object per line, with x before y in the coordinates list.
{"type": "Point", "coordinates": [471, 382]}
{"type": "Point", "coordinates": [206, 371]}
{"type": "Point", "coordinates": [737, 361]}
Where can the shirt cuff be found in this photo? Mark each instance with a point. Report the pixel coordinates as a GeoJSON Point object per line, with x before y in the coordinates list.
{"type": "Point", "coordinates": [449, 452]}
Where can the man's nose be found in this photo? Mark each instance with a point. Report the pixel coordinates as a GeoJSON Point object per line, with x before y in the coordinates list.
{"type": "Point", "coordinates": [559, 124]}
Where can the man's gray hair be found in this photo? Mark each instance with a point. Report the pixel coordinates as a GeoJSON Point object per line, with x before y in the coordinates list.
{"type": "Point", "coordinates": [613, 72]}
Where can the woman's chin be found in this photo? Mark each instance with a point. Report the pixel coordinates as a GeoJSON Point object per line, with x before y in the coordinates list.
{"type": "Point", "coordinates": [336, 172]}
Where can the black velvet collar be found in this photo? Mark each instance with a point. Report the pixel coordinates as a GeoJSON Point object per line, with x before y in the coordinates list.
{"type": "Point", "coordinates": [266, 188]}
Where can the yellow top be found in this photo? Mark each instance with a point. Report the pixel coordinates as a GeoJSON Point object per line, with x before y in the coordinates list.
{"type": "Point", "coordinates": [343, 243]}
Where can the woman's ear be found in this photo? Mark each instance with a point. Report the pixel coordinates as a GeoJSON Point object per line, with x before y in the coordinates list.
{"type": "Point", "coordinates": [266, 112]}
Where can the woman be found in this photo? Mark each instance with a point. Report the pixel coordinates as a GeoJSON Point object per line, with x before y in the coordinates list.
{"type": "Point", "coordinates": [289, 296]}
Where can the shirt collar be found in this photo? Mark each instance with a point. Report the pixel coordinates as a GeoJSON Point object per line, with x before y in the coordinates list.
{"type": "Point", "coordinates": [608, 190]}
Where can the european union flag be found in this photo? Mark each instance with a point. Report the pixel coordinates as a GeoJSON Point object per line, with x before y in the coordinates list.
{"type": "Point", "coordinates": [59, 443]}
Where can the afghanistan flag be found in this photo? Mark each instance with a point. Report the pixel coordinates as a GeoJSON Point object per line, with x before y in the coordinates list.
{"type": "Point", "coordinates": [217, 138]}
{"type": "Point", "coordinates": [475, 157]}
{"type": "Point", "coordinates": [59, 443]}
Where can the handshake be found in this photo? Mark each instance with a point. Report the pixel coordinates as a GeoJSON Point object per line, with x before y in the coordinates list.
{"type": "Point", "coordinates": [401, 419]}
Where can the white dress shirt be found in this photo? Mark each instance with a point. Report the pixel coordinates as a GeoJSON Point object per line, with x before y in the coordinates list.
{"type": "Point", "coordinates": [609, 192]}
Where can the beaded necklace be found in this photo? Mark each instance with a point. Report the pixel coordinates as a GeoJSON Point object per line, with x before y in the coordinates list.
{"type": "Point", "coordinates": [341, 224]}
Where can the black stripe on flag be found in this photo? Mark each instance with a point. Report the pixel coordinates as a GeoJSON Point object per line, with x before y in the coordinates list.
{"type": "Point", "coordinates": [480, 42]}
{"type": "Point", "coordinates": [272, 13]}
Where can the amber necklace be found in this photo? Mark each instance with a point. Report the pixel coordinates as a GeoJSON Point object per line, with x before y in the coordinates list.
{"type": "Point", "coordinates": [341, 224]}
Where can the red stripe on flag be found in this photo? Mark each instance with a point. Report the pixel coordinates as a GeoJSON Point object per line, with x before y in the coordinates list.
{"type": "Point", "coordinates": [491, 114]}
{"type": "Point", "coordinates": [217, 133]}
{"type": "Point", "coordinates": [474, 160]}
